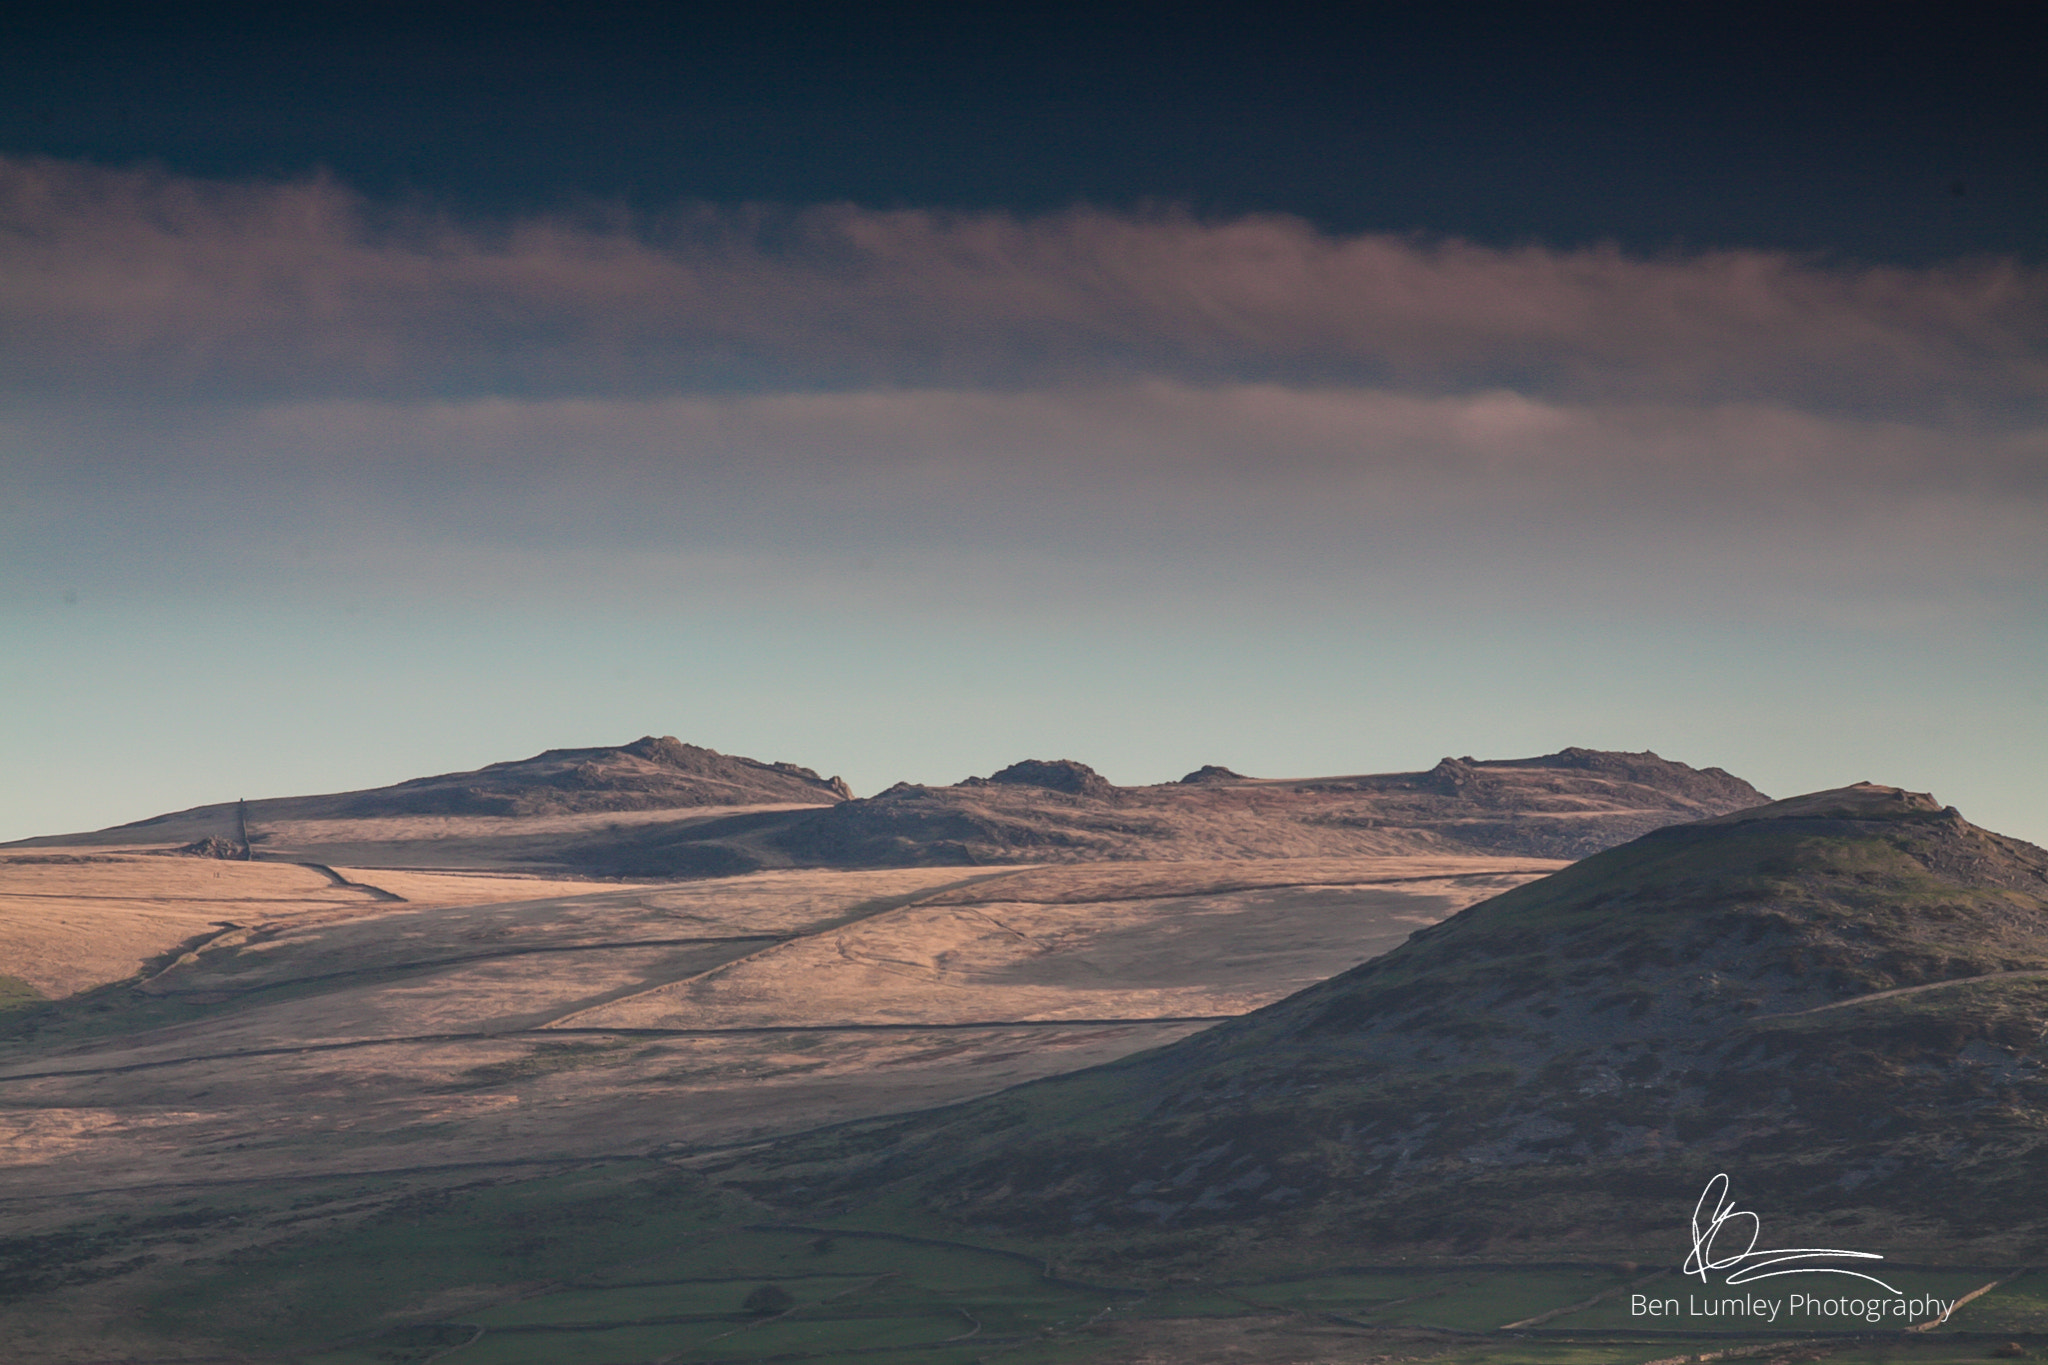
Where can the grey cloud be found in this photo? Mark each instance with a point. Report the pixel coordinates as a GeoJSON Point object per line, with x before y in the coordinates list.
{"type": "Point", "coordinates": [1508, 496]}
{"type": "Point", "coordinates": [257, 377]}
{"type": "Point", "coordinates": [142, 282]}
{"type": "Point", "coordinates": [1337, 448]}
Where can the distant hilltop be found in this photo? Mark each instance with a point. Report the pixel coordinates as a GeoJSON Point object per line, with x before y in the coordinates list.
{"type": "Point", "coordinates": [651, 773]}
{"type": "Point", "coordinates": [658, 807]}
{"type": "Point", "coordinates": [1562, 805]}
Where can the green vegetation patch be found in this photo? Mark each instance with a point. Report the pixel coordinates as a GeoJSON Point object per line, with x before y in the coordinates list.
{"type": "Point", "coordinates": [1191, 1301]}
{"type": "Point", "coordinates": [392, 1265]}
{"type": "Point", "coordinates": [1359, 1295]}
{"type": "Point", "coordinates": [722, 1298]}
{"type": "Point", "coordinates": [631, 1261]}
{"type": "Point", "coordinates": [1616, 1314]}
{"type": "Point", "coordinates": [2019, 1305]}
{"type": "Point", "coordinates": [599, 1346]}
{"type": "Point", "coordinates": [16, 993]}
{"type": "Point", "coordinates": [1761, 1351]}
{"type": "Point", "coordinates": [1485, 1301]}
{"type": "Point", "coordinates": [755, 1254]}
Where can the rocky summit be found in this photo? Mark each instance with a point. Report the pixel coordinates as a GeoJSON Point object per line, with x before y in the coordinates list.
{"type": "Point", "coordinates": [1841, 999]}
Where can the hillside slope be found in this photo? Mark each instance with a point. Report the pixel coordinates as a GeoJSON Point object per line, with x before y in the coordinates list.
{"type": "Point", "coordinates": [1841, 999]}
{"type": "Point", "coordinates": [1562, 805]}
{"type": "Point", "coordinates": [658, 808]}
{"type": "Point", "coordinates": [650, 774]}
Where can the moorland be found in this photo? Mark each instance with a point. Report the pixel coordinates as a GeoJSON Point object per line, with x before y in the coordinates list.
{"type": "Point", "coordinates": [655, 1053]}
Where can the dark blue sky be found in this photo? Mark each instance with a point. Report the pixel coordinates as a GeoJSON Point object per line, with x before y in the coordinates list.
{"type": "Point", "coordinates": [1886, 133]}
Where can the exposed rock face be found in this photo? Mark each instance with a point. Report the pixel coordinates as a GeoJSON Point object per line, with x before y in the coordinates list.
{"type": "Point", "coordinates": [1059, 775]}
{"type": "Point", "coordinates": [1841, 998]}
{"type": "Point", "coordinates": [1210, 772]}
{"type": "Point", "coordinates": [714, 767]}
{"type": "Point", "coordinates": [212, 846]}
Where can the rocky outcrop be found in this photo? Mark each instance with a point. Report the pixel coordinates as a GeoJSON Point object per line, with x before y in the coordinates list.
{"type": "Point", "coordinates": [212, 846]}
{"type": "Point", "coordinates": [1058, 775]}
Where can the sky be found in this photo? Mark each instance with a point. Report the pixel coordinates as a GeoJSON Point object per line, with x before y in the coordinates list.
{"type": "Point", "coordinates": [393, 389]}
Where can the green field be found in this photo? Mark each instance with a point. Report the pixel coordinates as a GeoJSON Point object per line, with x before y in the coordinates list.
{"type": "Point", "coordinates": [16, 993]}
{"type": "Point", "coordinates": [885, 1304]}
{"type": "Point", "coordinates": [633, 1263]}
{"type": "Point", "coordinates": [638, 1261]}
{"type": "Point", "coordinates": [2018, 1305]}
{"type": "Point", "coordinates": [1616, 1314]}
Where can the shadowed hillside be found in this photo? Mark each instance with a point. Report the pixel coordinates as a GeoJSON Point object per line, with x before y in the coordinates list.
{"type": "Point", "coordinates": [1842, 998]}
{"type": "Point", "coordinates": [1562, 805]}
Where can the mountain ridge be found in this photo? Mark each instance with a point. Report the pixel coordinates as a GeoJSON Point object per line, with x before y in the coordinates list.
{"type": "Point", "coordinates": [1561, 805]}
{"type": "Point", "coordinates": [685, 811]}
